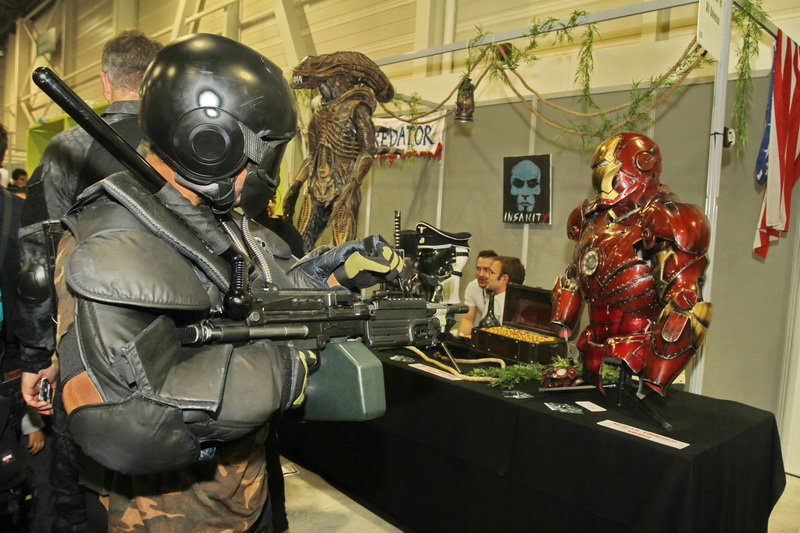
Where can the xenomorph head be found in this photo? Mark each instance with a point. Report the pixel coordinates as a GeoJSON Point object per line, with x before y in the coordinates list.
{"type": "Point", "coordinates": [354, 67]}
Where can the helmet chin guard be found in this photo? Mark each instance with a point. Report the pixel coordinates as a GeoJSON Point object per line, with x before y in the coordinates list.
{"type": "Point", "coordinates": [262, 180]}
{"type": "Point", "coordinates": [221, 193]}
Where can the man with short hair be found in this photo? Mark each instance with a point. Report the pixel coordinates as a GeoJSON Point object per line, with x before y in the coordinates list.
{"type": "Point", "coordinates": [475, 296]}
{"type": "Point", "coordinates": [71, 162]}
{"type": "Point", "coordinates": [504, 270]}
{"type": "Point", "coordinates": [19, 183]}
{"type": "Point", "coordinates": [19, 177]}
{"type": "Point", "coordinates": [12, 473]}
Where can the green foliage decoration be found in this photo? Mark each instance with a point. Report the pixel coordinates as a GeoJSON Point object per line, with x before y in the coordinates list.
{"type": "Point", "coordinates": [748, 18]}
{"type": "Point", "coordinates": [511, 376]}
{"type": "Point", "coordinates": [593, 123]}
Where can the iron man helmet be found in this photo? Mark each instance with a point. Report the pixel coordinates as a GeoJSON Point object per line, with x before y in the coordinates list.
{"type": "Point", "coordinates": [623, 166]}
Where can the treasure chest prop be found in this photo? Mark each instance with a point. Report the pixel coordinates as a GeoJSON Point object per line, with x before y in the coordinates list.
{"type": "Point", "coordinates": [525, 336]}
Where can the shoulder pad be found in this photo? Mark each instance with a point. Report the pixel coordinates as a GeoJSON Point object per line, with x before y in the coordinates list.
{"type": "Point", "coordinates": [684, 224]}
{"type": "Point", "coordinates": [134, 268]}
{"type": "Point", "coordinates": [576, 220]}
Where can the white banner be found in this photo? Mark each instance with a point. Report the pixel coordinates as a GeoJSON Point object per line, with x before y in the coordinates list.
{"type": "Point", "coordinates": [709, 28]}
{"type": "Point", "coordinates": [395, 138]}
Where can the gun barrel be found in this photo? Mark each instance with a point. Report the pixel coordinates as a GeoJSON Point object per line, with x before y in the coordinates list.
{"type": "Point", "coordinates": [207, 332]}
{"type": "Point", "coordinates": [71, 103]}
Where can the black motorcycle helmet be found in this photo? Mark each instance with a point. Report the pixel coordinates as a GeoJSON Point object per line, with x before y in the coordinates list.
{"type": "Point", "coordinates": [209, 106]}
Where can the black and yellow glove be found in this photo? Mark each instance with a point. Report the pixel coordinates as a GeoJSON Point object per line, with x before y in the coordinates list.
{"type": "Point", "coordinates": [376, 263]}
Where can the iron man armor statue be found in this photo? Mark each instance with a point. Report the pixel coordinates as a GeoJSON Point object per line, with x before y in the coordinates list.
{"type": "Point", "coordinates": [639, 263]}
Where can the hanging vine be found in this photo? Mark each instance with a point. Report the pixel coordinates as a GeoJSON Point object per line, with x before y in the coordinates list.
{"type": "Point", "coordinates": [502, 60]}
{"type": "Point", "coordinates": [748, 18]}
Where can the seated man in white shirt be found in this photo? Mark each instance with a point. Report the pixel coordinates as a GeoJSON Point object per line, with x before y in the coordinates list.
{"type": "Point", "coordinates": [475, 296]}
{"type": "Point", "coordinates": [504, 270]}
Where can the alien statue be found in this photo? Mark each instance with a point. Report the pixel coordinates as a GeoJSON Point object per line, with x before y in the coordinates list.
{"type": "Point", "coordinates": [639, 262]}
{"type": "Point", "coordinates": [341, 142]}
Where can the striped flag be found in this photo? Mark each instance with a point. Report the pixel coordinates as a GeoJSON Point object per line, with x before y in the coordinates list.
{"type": "Point", "coordinates": [778, 161]}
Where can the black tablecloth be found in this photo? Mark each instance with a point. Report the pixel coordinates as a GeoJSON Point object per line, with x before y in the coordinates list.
{"type": "Point", "coordinates": [459, 456]}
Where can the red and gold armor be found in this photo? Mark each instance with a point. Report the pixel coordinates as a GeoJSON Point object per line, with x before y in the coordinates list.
{"type": "Point", "coordinates": [638, 263]}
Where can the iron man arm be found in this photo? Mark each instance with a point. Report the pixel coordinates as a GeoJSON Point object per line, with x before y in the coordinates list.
{"type": "Point", "coordinates": [567, 304]}
{"type": "Point", "coordinates": [678, 236]}
{"type": "Point", "coordinates": [567, 299]}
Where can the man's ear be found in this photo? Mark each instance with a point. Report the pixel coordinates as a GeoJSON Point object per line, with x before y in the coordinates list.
{"type": "Point", "coordinates": [106, 85]}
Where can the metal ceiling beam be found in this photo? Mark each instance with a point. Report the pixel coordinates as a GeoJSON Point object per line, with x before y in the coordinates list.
{"type": "Point", "coordinates": [591, 18]}
{"type": "Point", "coordinates": [294, 45]}
{"type": "Point", "coordinates": [184, 23]}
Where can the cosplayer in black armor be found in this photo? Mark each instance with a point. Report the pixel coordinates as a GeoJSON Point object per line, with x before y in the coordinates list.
{"type": "Point", "coordinates": [182, 427]}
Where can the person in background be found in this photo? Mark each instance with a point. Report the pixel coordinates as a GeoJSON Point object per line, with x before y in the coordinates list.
{"type": "Point", "coordinates": [71, 162]}
{"type": "Point", "coordinates": [475, 296]}
{"type": "Point", "coordinates": [36, 439]}
{"type": "Point", "coordinates": [504, 270]}
{"type": "Point", "coordinates": [19, 182]}
{"type": "Point", "coordinates": [12, 465]}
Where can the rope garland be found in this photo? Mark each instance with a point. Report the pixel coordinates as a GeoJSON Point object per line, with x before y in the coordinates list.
{"type": "Point", "coordinates": [465, 361]}
{"type": "Point", "coordinates": [656, 86]}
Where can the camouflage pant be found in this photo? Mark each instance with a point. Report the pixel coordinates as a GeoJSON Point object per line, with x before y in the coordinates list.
{"type": "Point", "coordinates": [225, 494]}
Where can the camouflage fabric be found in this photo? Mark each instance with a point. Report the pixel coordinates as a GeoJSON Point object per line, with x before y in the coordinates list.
{"type": "Point", "coordinates": [223, 495]}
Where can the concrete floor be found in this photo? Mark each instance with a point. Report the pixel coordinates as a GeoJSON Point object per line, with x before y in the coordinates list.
{"type": "Point", "coordinates": [785, 517]}
{"type": "Point", "coordinates": [314, 506]}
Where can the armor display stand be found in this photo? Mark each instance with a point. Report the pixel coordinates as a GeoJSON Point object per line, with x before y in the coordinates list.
{"type": "Point", "coordinates": [624, 390]}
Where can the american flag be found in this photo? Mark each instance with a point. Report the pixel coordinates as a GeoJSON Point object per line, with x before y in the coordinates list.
{"type": "Point", "coordinates": [778, 162]}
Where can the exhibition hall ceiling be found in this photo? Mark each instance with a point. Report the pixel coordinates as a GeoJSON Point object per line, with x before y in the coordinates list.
{"type": "Point", "coordinates": [10, 11]}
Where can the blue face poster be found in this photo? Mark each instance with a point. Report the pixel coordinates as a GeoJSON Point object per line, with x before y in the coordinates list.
{"type": "Point", "coordinates": [527, 188]}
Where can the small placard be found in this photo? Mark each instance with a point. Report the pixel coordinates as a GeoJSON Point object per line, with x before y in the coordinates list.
{"type": "Point", "coordinates": [643, 434]}
{"type": "Point", "coordinates": [592, 407]}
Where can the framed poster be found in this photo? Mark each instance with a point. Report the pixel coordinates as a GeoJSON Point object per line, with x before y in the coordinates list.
{"type": "Point", "coordinates": [527, 187]}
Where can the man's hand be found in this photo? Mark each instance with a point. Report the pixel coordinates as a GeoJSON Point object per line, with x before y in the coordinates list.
{"type": "Point", "coordinates": [30, 388]}
{"type": "Point", "coordinates": [377, 263]}
{"type": "Point", "coordinates": [467, 322]}
{"type": "Point", "coordinates": [35, 442]}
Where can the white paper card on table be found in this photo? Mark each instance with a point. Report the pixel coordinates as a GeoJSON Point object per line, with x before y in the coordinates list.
{"type": "Point", "coordinates": [643, 434]}
{"type": "Point", "coordinates": [592, 407]}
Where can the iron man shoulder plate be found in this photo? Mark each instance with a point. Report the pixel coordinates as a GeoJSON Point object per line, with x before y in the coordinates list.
{"type": "Point", "coordinates": [683, 224]}
{"type": "Point", "coordinates": [577, 219]}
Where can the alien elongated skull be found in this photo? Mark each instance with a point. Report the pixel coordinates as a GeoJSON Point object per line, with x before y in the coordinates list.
{"type": "Point", "coordinates": [526, 185]}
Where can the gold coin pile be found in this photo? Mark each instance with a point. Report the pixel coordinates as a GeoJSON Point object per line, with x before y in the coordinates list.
{"type": "Point", "coordinates": [520, 334]}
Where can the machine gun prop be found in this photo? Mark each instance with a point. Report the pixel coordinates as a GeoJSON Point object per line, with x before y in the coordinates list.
{"type": "Point", "coordinates": [384, 320]}
{"type": "Point", "coordinates": [349, 387]}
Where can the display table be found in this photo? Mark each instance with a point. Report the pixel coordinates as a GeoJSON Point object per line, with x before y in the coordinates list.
{"type": "Point", "coordinates": [459, 456]}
